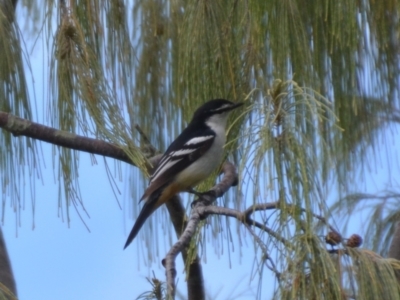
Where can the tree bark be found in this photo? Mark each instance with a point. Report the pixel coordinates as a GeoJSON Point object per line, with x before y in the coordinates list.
{"type": "Point", "coordinates": [6, 273]}
{"type": "Point", "coordinates": [394, 250]}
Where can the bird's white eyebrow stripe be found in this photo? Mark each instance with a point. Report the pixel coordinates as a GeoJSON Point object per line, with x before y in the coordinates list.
{"type": "Point", "coordinates": [183, 152]}
{"type": "Point", "coordinates": [222, 107]}
{"type": "Point", "coordinates": [167, 164]}
{"type": "Point", "coordinates": [198, 140]}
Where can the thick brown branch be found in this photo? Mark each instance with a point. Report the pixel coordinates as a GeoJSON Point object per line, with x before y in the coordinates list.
{"type": "Point", "coordinates": [7, 9]}
{"type": "Point", "coordinates": [394, 250]}
{"type": "Point", "coordinates": [18, 126]}
{"type": "Point", "coordinates": [6, 273]}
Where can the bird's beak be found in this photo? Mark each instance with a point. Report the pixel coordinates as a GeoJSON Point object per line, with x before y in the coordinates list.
{"type": "Point", "coordinates": [236, 105]}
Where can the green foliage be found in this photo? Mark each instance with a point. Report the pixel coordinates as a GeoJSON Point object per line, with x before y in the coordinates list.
{"type": "Point", "coordinates": [14, 98]}
{"type": "Point", "coordinates": [158, 290]}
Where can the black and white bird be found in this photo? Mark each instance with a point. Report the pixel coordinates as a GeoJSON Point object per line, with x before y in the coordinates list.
{"type": "Point", "coordinates": [190, 159]}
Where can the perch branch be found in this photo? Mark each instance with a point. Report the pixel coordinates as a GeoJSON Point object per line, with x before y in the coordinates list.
{"type": "Point", "coordinates": [230, 178]}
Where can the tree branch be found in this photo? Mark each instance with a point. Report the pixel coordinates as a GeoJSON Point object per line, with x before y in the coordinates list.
{"type": "Point", "coordinates": [230, 178]}
{"type": "Point", "coordinates": [245, 219]}
{"type": "Point", "coordinates": [6, 273]}
{"type": "Point", "coordinates": [195, 282]}
{"type": "Point", "coordinates": [201, 208]}
{"type": "Point", "coordinates": [18, 126]}
{"type": "Point", "coordinates": [394, 250]}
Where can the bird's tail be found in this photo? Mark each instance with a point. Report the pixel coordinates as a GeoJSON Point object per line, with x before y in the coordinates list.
{"type": "Point", "coordinates": [150, 205]}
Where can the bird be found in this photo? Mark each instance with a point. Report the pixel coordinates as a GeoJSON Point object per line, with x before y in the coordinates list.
{"type": "Point", "coordinates": [190, 158]}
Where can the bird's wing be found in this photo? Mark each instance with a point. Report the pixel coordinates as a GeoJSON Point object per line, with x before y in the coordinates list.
{"type": "Point", "coordinates": [178, 157]}
{"type": "Point", "coordinates": [185, 150]}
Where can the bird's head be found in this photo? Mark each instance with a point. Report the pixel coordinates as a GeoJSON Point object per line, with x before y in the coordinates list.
{"type": "Point", "coordinates": [215, 112]}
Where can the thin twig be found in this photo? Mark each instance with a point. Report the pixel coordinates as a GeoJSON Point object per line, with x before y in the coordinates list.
{"type": "Point", "coordinates": [259, 207]}
{"type": "Point", "coordinates": [265, 252]}
{"type": "Point", "coordinates": [148, 149]}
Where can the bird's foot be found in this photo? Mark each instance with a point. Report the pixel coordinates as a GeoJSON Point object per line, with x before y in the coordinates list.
{"type": "Point", "coordinates": [206, 198]}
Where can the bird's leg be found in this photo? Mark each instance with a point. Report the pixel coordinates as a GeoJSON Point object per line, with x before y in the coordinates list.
{"type": "Point", "coordinates": [192, 191]}
{"type": "Point", "coordinates": [207, 198]}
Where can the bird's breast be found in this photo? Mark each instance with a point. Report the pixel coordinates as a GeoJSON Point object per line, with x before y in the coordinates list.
{"type": "Point", "coordinates": [205, 165]}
